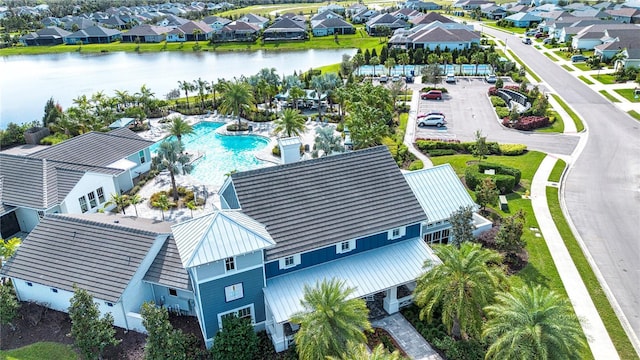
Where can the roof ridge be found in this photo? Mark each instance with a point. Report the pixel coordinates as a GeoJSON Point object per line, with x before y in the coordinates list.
{"type": "Point", "coordinates": [113, 225]}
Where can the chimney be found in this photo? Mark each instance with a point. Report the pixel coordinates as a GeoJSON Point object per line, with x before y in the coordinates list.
{"type": "Point", "coordinates": [289, 149]}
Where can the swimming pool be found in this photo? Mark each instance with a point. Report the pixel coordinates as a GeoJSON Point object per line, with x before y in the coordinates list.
{"type": "Point", "coordinates": [221, 154]}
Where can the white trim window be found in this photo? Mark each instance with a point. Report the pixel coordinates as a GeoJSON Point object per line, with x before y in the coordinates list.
{"type": "Point", "coordinates": [83, 204]}
{"type": "Point", "coordinates": [345, 246]}
{"type": "Point", "coordinates": [397, 233]}
{"type": "Point", "coordinates": [92, 199]}
{"type": "Point", "coordinates": [142, 158]}
{"type": "Point", "coordinates": [230, 264]}
{"type": "Point", "coordinates": [100, 192]}
{"type": "Point", "coordinates": [245, 312]}
{"type": "Point", "coordinates": [290, 261]}
{"type": "Point", "coordinates": [233, 292]}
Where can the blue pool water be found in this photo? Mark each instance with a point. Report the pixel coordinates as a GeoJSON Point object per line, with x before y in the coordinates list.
{"type": "Point", "coordinates": [222, 154]}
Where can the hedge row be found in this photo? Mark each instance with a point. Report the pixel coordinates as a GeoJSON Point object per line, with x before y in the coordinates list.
{"type": "Point", "coordinates": [501, 169]}
{"type": "Point", "coordinates": [513, 149]}
{"type": "Point", "coordinates": [502, 112]}
{"type": "Point", "coordinates": [473, 177]}
{"type": "Point", "coordinates": [467, 147]}
{"type": "Point", "coordinates": [527, 122]}
{"type": "Point", "coordinates": [497, 101]}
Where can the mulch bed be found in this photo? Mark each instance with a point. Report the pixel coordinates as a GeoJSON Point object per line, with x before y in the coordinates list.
{"type": "Point", "coordinates": [36, 323]}
{"type": "Point", "coordinates": [376, 337]}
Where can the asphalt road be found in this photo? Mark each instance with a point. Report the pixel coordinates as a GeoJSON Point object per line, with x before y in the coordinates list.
{"type": "Point", "coordinates": [602, 188]}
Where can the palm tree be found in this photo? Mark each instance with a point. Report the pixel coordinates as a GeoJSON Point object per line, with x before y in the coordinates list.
{"type": "Point", "coordinates": [201, 86]}
{"type": "Point", "coordinates": [123, 99]}
{"type": "Point", "coordinates": [360, 352]}
{"type": "Point", "coordinates": [403, 59]}
{"type": "Point", "coordinates": [185, 86]}
{"type": "Point", "coordinates": [9, 247]}
{"type": "Point", "coordinates": [374, 61]}
{"type": "Point", "coordinates": [318, 85]}
{"type": "Point", "coordinates": [236, 96]}
{"type": "Point", "coordinates": [533, 323]}
{"type": "Point", "coordinates": [191, 205]}
{"type": "Point", "coordinates": [390, 64]}
{"type": "Point", "coordinates": [180, 127]}
{"type": "Point", "coordinates": [144, 98]}
{"type": "Point", "coordinates": [291, 123]}
{"type": "Point", "coordinates": [460, 286]}
{"type": "Point", "coordinates": [134, 200]}
{"type": "Point", "coordinates": [330, 323]}
{"type": "Point", "coordinates": [120, 201]}
{"type": "Point", "coordinates": [476, 59]}
{"type": "Point", "coordinates": [171, 157]}
{"type": "Point", "coordinates": [163, 203]}
{"type": "Point", "coordinates": [296, 93]}
{"type": "Point", "coordinates": [327, 142]}
{"type": "Point", "coordinates": [65, 124]}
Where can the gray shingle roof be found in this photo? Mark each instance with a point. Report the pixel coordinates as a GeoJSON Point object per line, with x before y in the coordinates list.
{"type": "Point", "coordinates": [147, 30]}
{"type": "Point", "coordinates": [318, 202]}
{"type": "Point", "coordinates": [95, 148]}
{"type": "Point", "coordinates": [167, 268]}
{"type": "Point", "coordinates": [89, 250]}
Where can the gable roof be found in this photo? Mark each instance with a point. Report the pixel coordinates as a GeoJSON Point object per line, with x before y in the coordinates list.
{"type": "Point", "coordinates": [386, 19]}
{"type": "Point", "coordinates": [212, 19]}
{"type": "Point", "coordinates": [167, 268]}
{"type": "Point", "coordinates": [254, 19]}
{"type": "Point", "coordinates": [95, 31]}
{"type": "Point", "coordinates": [286, 24]}
{"type": "Point", "coordinates": [89, 250]}
{"type": "Point", "coordinates": [217, 236]}
{"type": "Point", "coordinates": [241, 26]}
{"type": "Point", "coordinates": [429, 18]}
{"type": "Point", "coordinates": [191, 26]}
{"type": "Point", "coordinates": [95, 148]}
{"type": "Point", "coordinates": [332, 23]}
{"type": "Point", "coordinates": [147, 30]}
{"type": "Point", "coordinates": [523, 17]}
{"type": "Point", "coordinates": [315, 203]}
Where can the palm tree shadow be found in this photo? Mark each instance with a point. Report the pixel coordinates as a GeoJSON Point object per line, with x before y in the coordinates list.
{"type": "Point", "coordinates": [531, 276]}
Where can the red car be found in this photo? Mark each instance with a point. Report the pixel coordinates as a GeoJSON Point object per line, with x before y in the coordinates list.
{"type": "Point", "coordinates": [431, 94]}
{"type": "Point", "coordinates": [540, 34]}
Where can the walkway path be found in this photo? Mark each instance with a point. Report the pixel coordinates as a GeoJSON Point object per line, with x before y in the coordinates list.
{"type": "Point", "coordinates": [410, 133]}
{"type": "Point", "coordinates": [597, 336]}
{"type": "Point", "coordinates": [407, 337]}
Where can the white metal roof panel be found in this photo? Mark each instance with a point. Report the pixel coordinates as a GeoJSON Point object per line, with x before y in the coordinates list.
{"type": "Point", "coordinates": [439, 191]}
{"type": "Point", "coordinates": [368, 272]}
{"type": "Point", "coordinates": [219, 235]}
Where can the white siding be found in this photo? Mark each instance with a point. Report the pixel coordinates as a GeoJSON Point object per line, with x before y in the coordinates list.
{"type": "Point", "coordinates": [89, 182]}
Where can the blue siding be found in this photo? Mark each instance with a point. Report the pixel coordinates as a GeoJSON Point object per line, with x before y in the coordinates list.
{"type": "Point", "coordinates": [213, 300]}
{"type": "Point", "coordinates": [229, 195]}
{"type": "Point", "coordinates": [323, 255]}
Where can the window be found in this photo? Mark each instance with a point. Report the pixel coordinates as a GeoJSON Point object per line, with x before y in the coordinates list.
{"type": "Point", "coordinates": [230, 263]}
{"type": "Point", "coordinates": [437, 237]}
{"type": "Point", "coordinates": [345, 246]}
{"type": "Point", "coordinates": [289, 261]}
{"type": "Point", "coordinates": [173, 292]}
{"type": "Point", "coordinates": [142, 158]}
{"type": "Point", "coordinates": [110, 304]}
{"type": "Point", "coordinates": [92, 199]}
{"type": "Point", "coordinates": [29, 284]}
{"type": "Point", "coordinates": [40, 214]}
{"type": "Point", "coordinates": [83, 204]}
{"type": "Point", "coordinates": [54, 290]}
{"type": "Point", "coordinates": [233, 292]}
{"type": "Point", "coordinates": [244, 312]}
{"type": "Point", "coordinates": [397, 233]}
{"type": "Point", "coordinates": [100, 195]}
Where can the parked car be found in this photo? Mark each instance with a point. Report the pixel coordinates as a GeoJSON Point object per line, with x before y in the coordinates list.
{"type": "Point", "coordinates": [451, 78]}
{"type": "Point", "coordinates": [526, 41]}
{"type": "Point", "coordinates": [540, 34]}
{"type": "Point", "coordinates": [395, 78]}
{"type": "Point", "coordinates": [531, 32]}
{"type": "Point", "coordinates": [491, 78]}
{"type": "Point", "coordinates": [384, 79]}
{"type": "Point", "coordinates": [578, 58]}
{"type": "Point", "coordinates": [547, 40]}
{"type": "Point", "coordinates": [431, 94]}
{"type": "Point", "coordinates": [408, 79]}
{"type": "Point", "coordinates": [432, 112]}
{"type": "Point", "coordinates": [432, 120]}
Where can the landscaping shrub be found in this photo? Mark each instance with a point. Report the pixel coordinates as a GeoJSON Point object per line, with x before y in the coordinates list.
{"type": "Point", "coordinates": [416, 165]}
{"type": "Point", "coordinates": [493, 91]}
{"type": "Point", "coordinates": [234, 127]}
{"type": "Point", "coordinates": [154, 198]}
{"type": "Point", "coordinates": [527, 123]}
{"type": "Point", "coordinates": [492, 146]}
{"type": "Point", "coordinates": [504, 183]}
{"type": "Point", "coordinates": [513, 149]}
{"type": "Point", "coordinates": [427, 88]}
{"type": "Point", "coordinates": [473, 176]}
{"type": "Point", "coordinates": [427, 145]}
{"type": "Point", "coordinates": [441, 152]}
{"type": "Point", "coordinates": [497, 101]}
{"type": "Point", "coordinates": [276, 151]}
{"type": "Point", "coordinates": [501, 169]}
{"type": "Point", "coordinates": [460, 350]}
{"type": "Point", "coordinates": [54, 139]}
{"type": "Point", "coordinates": [502, 112]}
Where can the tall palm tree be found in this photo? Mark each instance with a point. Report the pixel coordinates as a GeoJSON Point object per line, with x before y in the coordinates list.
{"type": "Point", "coordinates": [330, 322]}
{"type": "Point", "coordinates": [163, 203]}
{"type": "Point", "coordinates": [403, 59]}
{"type": "Point", "coordinates": [318, 85]}
{"type": "Point", "coordinates": [180, 127]}
{"type": "Point", "coordinates": [120, 201]}
{"type": "Point", "coordinates": [236, 97]}
{"type": "Point", "coordinates": [374, 61]}
{"type": "Point", "coordinates": [358, 60]}
{"type": "Point", "coordinates": [361, 352]}
{"type": "Point", "coordinates": [291, 123]}
{"type": "Point", "coordinates": [464, 283]}
{"type": "Point", "coordinates": [201, 86]}
{"type": "Point", "coordinates": [533, 323]}
{"type": "Point", "coordinates": [144, 98]}
{"type": "Point", "coordinates": [390, 64]}
{"type": "Point", "coordinates": [186, 86]}
{"type": "Point", "coordinates": [296, 93]}
{"type": "Point", "coordinates": [134, 200]}
{"type": "Point", "coordinates": [327, 142]}
{"type": "Point", "coordinates": [171, 157]}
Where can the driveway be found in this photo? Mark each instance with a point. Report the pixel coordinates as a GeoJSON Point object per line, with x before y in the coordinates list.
{"type": "Point", "coordinates": [602, 188]}
{"type": "Point", "coordinates": [467, 108]}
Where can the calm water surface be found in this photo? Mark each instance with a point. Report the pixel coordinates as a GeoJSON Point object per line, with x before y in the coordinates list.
{"type": "Point", "coordinates": [27, 82]}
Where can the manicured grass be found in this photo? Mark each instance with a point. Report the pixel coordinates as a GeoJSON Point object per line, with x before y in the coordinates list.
{"type": "Point", "coordinates": [567, 67]}
{"type": "Point", "coordinates": [333, 68]}
{"type": "Point", "coordinates": [557, 171]}
{"type": "Point", "coordinates": [516, 30]}
{"type": "Point", "coordinates": [634, 114]}
{"type": "Point", "coordinates": [612, 324]}
{"type": "Point", "coordinates": [556, 127]}
{"type": "Point", "coordinates": [553, 58]}
{"type": "Point", "coordinates": [39, 351]}
{"type": "Point", "coordinates": [585, 79]}
{"type": "Point", "coordinates": [534, 76]}
{"type": "Point", "coordinates": [606, 79]}
{"type": "Point", "coordinates": [627, 94]}
{"type": "Point", "coordinates": [576, 119]}
{"type": "Point", "coordinates": [563, 54]}
{"type": "Point", "coordinates": [611, 98]}
{"type": "Point", "coordinates": [582, 66]}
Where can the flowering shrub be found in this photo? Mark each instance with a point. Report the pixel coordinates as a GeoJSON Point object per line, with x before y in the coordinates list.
{"type": "Point", "coordinates": [493, 91]}
{"type": "Point", "coordinates": [527, 122]}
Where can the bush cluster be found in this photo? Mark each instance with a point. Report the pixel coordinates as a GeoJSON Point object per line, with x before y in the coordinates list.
{"type": "Point", "coordinates": [501, 169]}
{"type": "Point", "coordinates": [441, 152]}
{"type": "Point", "coordinates": [473, 177]}
{"type": "Point", "coordinates": [497, 101]}
{"type": "Point", "coordinates": [502, 112]}
{"type": "Point", "coordinates": [466, 147]}
{"type": "Point", "coordinates": [416, 165]}
{"type": "Point", "coordinates": [512, 149]}
{"type": "Point", "coordinates": [527, 122]}
{"type": "Point", "coordinates": [427, 88]}
{"type": "Point", "coordinates": [493, 91]}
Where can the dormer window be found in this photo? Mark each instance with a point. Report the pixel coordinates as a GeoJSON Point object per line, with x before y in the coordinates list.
{"type": "Point", "coordinates": [345, 246]}
{"type": "Point", "coordinates": [230, 263]}
{"type": "Point", "coordinates": [289, 261]}
{"type": "Point", "coordinates": [397, 233]}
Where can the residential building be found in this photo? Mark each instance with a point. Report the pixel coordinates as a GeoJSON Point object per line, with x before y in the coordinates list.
{"type": "Point", "coordinates": [429, 18]}
{"type": "Point", "coordinates": [238, 31]}
{"type": "Point", "coordinates": [436, 35]}
{"type": "Point", "coordinates": [422, 5]}
{"type": "Point", "coordinates": [47, 36]}
{"type": "Point", "coordinates": [364, 16]}
{"type": "Point", "coordinates": [387, 21]}
{"type": "Point", "coordinates": [626, 15]}
{"type": "Point", "coordinates": [146, 33]}
{"type": "Point", "coordinates": [93, 35]}
{"type": "Point", "coordinates": [492, 11]}
{"type": "Point", "coordinates": [338, 9]}
{"type": "Point", "coordinates": [285, 29]}
{"type": "Point", "coordinates": [470, 4]}
{"type": "Point", "coordinates": [253, 19]}
{"type": "Point", "coordinates": [592, 35]}
{"type": "Point", "coordinates": [524, 20]}
{"type": "Point", "coordinates": [216, 22]}
{"type": "Point", "coordinates": [406, 14]}
{"type": "Point", "coordinates": [332, 26]}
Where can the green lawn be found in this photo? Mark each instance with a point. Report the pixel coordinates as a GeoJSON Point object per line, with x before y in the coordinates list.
{"type": "Point", "coordinates": [556, 127]}
{"type": "Point", "coordinates": [334, 68]}
{"type": "Point", "coordinates": [627, 94]}
{"type": "Point", "coordinates": [576, 119]}
{"type": "Point", "coordinates": [634, 114]}
{"type": "Point", "coordinates": [516, 30]}
{"type": "Point", "coordinates": [614, 328]}
{"type": "Point", "coordinates": [567, 67]}
{"type": "Point", "coordinates": [606, 79]}
{"type": "Point", "coordinates": [611, 98]}
{"type": "Point", "coordinates": [582, 66]}
{"type": "Point", "coordinates": [563, 54]}
{"type": "Point", "coordinates": [39, 351]}
{"type": "Point", "coordinates": [585, 79]}
{"type": "Point", "coordinates": [553, 58]}
{"type": "Point", "coordinates": [557, 171]}
{"type": "Point", "coordinates": [534, 76]}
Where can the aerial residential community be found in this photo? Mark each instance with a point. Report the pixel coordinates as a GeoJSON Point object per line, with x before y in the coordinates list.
{"type": "Point", "coordinates": [319, 180]}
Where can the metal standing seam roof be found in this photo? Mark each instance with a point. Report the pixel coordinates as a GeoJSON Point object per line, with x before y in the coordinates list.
{"type": "Point", "coordinates": [368, 272]}
{"type": "Point", "coordinates": [92, 251]}
{"type": "Point", "coordinates": [315, 203]}
{"type": "Point", "coordinates": [167, 268]}
{"type": "Point", "coordinates": [217, 236]}
{"type": "Point", "coordinates": [439, 191]}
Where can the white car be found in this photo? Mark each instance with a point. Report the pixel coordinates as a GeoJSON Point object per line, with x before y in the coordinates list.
{"type": "Point", "coordinates": [432, 120]}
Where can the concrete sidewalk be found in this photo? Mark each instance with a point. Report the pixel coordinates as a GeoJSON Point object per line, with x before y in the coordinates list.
{"type": "Point", "coordinates": [597, 336]}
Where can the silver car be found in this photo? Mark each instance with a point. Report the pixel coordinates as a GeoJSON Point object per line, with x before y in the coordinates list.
{"type": "Point", "coordinates": [432, 120]}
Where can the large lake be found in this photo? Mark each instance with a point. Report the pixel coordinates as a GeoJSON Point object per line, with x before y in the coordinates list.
{"type": "Point", "coordinates": [27, 82]}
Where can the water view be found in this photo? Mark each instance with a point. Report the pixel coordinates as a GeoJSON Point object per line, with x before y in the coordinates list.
{"type": "Point", "coordinates": [27, 82]}
{"type": "Point", "coordinates": [220, 154]}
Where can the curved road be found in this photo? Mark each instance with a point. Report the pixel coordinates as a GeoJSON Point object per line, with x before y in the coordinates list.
{"type": "Point", "coordinates": [602, 188]}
